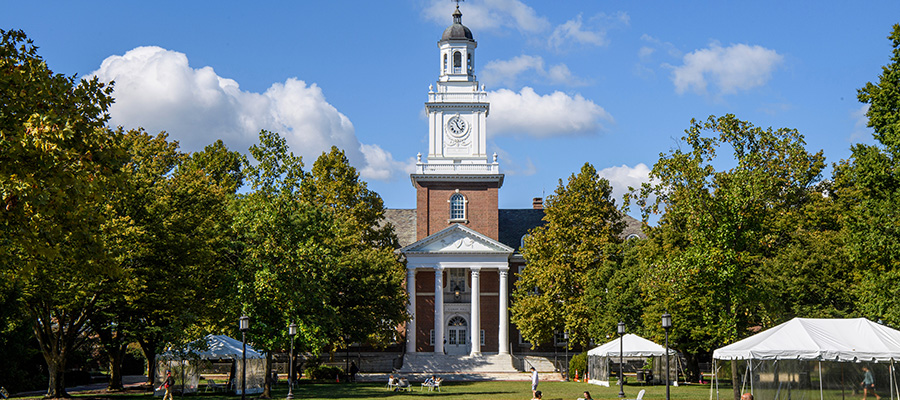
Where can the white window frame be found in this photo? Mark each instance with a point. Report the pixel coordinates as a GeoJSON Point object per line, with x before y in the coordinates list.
{"type": "Point", "coordinates": [464, 204]}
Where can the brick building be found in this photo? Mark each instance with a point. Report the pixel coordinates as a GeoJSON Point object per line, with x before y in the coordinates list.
{"type": "Point", "coordinates": [461, 250]}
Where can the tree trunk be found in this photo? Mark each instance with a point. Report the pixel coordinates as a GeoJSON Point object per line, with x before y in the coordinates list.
{"type": "Point", "coordinates": [56, 368]}
{"type": "Point", "coordinates": [693, 367]}
{"type": "Point", "coordinates": [148, 348]}
{"type": "Point", "coordinates": [735, 380]}
{"type": "Point", "coordinates": [116, 356]}
{"type": "Point", "coordinates": [267, 391]}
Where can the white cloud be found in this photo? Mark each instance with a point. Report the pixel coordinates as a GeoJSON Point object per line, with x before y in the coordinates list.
{"type": "Point", "coordinates": [733, 68]}
{"type": "Point", "coordinates": [623, 177]}
{"type": "Point", "coordinates": [158, 90]}
{"type": "Point", "coordinates": [489, 14]}
{"type": "Point", "coordinates": [573, 31]}
{"type": "Point", "coordinates": [507, 72]}
{"type": "Point", "coordinates": [555, 114]}
{"type": "Point", "coordinates": [861, 131]}
{"type": "Point", "coordinates": [513, 166]}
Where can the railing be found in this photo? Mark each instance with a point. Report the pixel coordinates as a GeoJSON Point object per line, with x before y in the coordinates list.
{"type": "Point", "coordinates": [470, 97]}
{"type": "Point", "coordinates": [426, 168]}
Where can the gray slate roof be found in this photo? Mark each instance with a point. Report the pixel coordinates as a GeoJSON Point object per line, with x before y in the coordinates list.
{"type": "Point", "coordinates": [514, 223]}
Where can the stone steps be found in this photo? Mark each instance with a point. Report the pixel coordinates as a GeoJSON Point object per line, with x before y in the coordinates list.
{"type": "Point", "coordinates": [448, 364]}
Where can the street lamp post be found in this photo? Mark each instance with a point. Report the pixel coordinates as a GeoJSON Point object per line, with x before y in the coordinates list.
{"type": "Point", "coordinates": [292, 330]}
{"type": "Point", "coordinates": [566, 336]}
{"type": "Point", "coordinates": [244, 326]}
{"type": "Point", "coordinates": [666, 325]}
{"type": "Point", "coordinates": [621, 331]}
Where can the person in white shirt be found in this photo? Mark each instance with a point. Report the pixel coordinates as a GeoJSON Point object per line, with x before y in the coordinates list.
{"type": "Point", "coordinates": [534, 381]}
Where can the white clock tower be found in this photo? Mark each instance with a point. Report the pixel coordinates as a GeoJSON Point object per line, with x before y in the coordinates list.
{"type": "Point", "coordinates": [457, 109]}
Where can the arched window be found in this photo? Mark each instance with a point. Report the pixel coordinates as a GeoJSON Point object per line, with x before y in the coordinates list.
{"type": "Point", "coordinates": [457, 63]}
{"type": "Point", "coordinates": [457, 207]}
{"type": "Point", "coordinates": [445, 64]}
{"type": "Point", "coordinates": [469, 62]}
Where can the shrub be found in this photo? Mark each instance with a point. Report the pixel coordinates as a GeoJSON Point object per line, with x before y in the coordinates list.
{"type": "Point", "coordinates": [323, 372]}
{"type": "Point", "coordinates": [578, 363]}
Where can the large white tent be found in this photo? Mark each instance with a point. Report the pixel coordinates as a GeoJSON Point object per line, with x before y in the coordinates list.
{"type": "Point", "coordinates": [186, 363]}
{"type": "Point", "coordinates": [814, 358]}
{"type": "Point", "coordinates": [634, 348]}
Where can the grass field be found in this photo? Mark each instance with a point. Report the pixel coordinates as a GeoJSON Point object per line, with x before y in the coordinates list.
{"type": "Point", "coordinates": [499, 390]}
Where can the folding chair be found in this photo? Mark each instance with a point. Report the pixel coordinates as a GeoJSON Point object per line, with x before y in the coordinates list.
{"type": "Point", "coordinates": [215, 387]}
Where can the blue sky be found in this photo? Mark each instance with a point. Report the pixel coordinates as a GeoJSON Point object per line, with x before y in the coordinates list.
{"type": "Point", "coordinates": [613, 83]}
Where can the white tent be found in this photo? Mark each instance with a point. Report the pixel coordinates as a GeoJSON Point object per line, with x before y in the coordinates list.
{"type": "Point", "coordinates": [634, 348]}
{"type": "Point", "coordinates": [814, 355]}
{"type": "Point", "coordinates": [186, 363]}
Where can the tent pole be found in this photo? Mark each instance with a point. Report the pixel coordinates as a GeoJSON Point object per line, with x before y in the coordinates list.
{"type": "Point", "coordinates": [821, 393]}
{"type": "Point", "coordinates": [842, 381]}
{"type": "Point", "coordinates": [715, 377]}
{"type": "Point", "coordinates": [750, 369]}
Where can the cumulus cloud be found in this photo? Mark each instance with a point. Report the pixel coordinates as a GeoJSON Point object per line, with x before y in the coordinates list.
{"type": "Point", "coordinates": [490, 14]}
{"type": "Point", "coordinates": [623, 177]}
{"type": "Point", "coordinates": [508, 72]}
{"type": "Point", "coordinates": [158, 90]}
{"type": "Point", "coordinates": [730, 69]}
{"type": "Point", "coordinates": [555, 114]}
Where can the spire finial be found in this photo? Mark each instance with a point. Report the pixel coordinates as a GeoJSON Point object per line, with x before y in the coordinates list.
{"type": "Point", "coordinates": [457, 15]}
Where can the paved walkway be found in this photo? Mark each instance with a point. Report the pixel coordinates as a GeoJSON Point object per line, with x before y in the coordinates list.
{"type": "Point", "coordinates": [130, 381]}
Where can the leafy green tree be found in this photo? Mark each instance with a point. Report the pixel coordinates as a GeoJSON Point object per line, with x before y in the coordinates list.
{"type": "Point", "coordinates": [580, 236]}
{"type": "Point", "coordinates": [56, 163]}
{"type": "Point", "coordinates": [719, 227]}
{"type": "Point", "coordinates": [173, 236]}
{"type": "Point", "coordinates": [868, 185]}
{"type": "Point", "coordinates": [286, 263]}
{"type": "Point", "coordinates": [368, 290]}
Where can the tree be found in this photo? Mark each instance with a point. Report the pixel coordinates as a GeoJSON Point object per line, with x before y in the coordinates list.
{"type": "Point", "coordinates": [56, 163]}
{"type": "Point", "coordinates": [868, 186]}
{"type": "Point", "coordinates": [174, 241]}
{"type": "Point", "coordinates": [286, 264]}
{"type": "Point", "coordinates": [368, 289]}
{"type": "Point", "coordinates": [581, 231]}
{"type": "Point", "coordinates": [719, 227]}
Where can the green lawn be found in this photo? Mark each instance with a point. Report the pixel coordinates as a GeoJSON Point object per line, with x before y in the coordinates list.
{"type": "Point", "coordinates": [506, 390]}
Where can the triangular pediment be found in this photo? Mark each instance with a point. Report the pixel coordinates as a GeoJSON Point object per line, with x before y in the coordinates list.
{"type": "Point", "coordinates": [457, 239]}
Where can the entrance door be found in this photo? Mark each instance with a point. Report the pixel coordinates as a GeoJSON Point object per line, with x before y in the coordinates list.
{"type": "Point", "coordinates": [457, 336]}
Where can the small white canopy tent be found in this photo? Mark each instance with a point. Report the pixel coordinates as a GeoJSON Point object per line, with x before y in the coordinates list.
{"type": "Point", "coordinates": [634, 348]}
{"type": "Point", "coordinates": [814, 358]}
{"type": "Point", "coordinates": [211, 348]}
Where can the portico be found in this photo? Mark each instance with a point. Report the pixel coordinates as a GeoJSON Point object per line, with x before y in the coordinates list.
{"type": "Point", "coordinates": [457, 280]}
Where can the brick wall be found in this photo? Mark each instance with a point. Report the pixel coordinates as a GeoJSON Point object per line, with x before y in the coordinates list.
{"type": "Point", "coordinates": [433, 207]}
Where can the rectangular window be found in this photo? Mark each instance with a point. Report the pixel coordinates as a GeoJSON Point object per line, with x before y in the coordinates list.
{"type": "Point", "coordinates": [431, 340]}
{"type": "Point", "coordinates": [452, 338]}
{"type": "Point", "coordinates": [482, 337]}
{"type": "Point", "coordinates": [462, 336]}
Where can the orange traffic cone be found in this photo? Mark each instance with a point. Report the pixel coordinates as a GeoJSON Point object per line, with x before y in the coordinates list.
{"type": "Point", "coordinates": [576, 376]}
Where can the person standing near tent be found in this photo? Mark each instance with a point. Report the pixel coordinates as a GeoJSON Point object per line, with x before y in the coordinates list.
{"type": "Point", "coordinates": [868, 384]}
{"type": "Point", "coordinates": [534, 382]}
{"type": "Point", "coordinates": [168, 384]}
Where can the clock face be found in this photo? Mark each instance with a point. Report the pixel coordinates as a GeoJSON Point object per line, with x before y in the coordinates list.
{"type": "Point", "coordinates": [457, 126]}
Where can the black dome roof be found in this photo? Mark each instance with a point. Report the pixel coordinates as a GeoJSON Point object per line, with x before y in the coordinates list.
{"type": "Point", "coordinates": [457, 31]}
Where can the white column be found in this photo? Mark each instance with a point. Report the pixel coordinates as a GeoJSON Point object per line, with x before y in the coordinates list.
{"type": "Point", "coordinates": [503, 333]}
{"type": "Point", "coordinates": [438, 309]}
{"type": "Point", "coordinates": [411, 309]}
{"type": "Point", "coordinates": [476, 312]}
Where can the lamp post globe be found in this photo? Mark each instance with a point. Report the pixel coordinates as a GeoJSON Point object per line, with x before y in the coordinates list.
{"type": "Point", "coordinates": [292, 330]}
{"type": "Point", "coordinates": [244, 325]}
{"type": "Point", "coordinates": [620, 329]}
{"type": "Point", "coordinates": [666, 325]}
